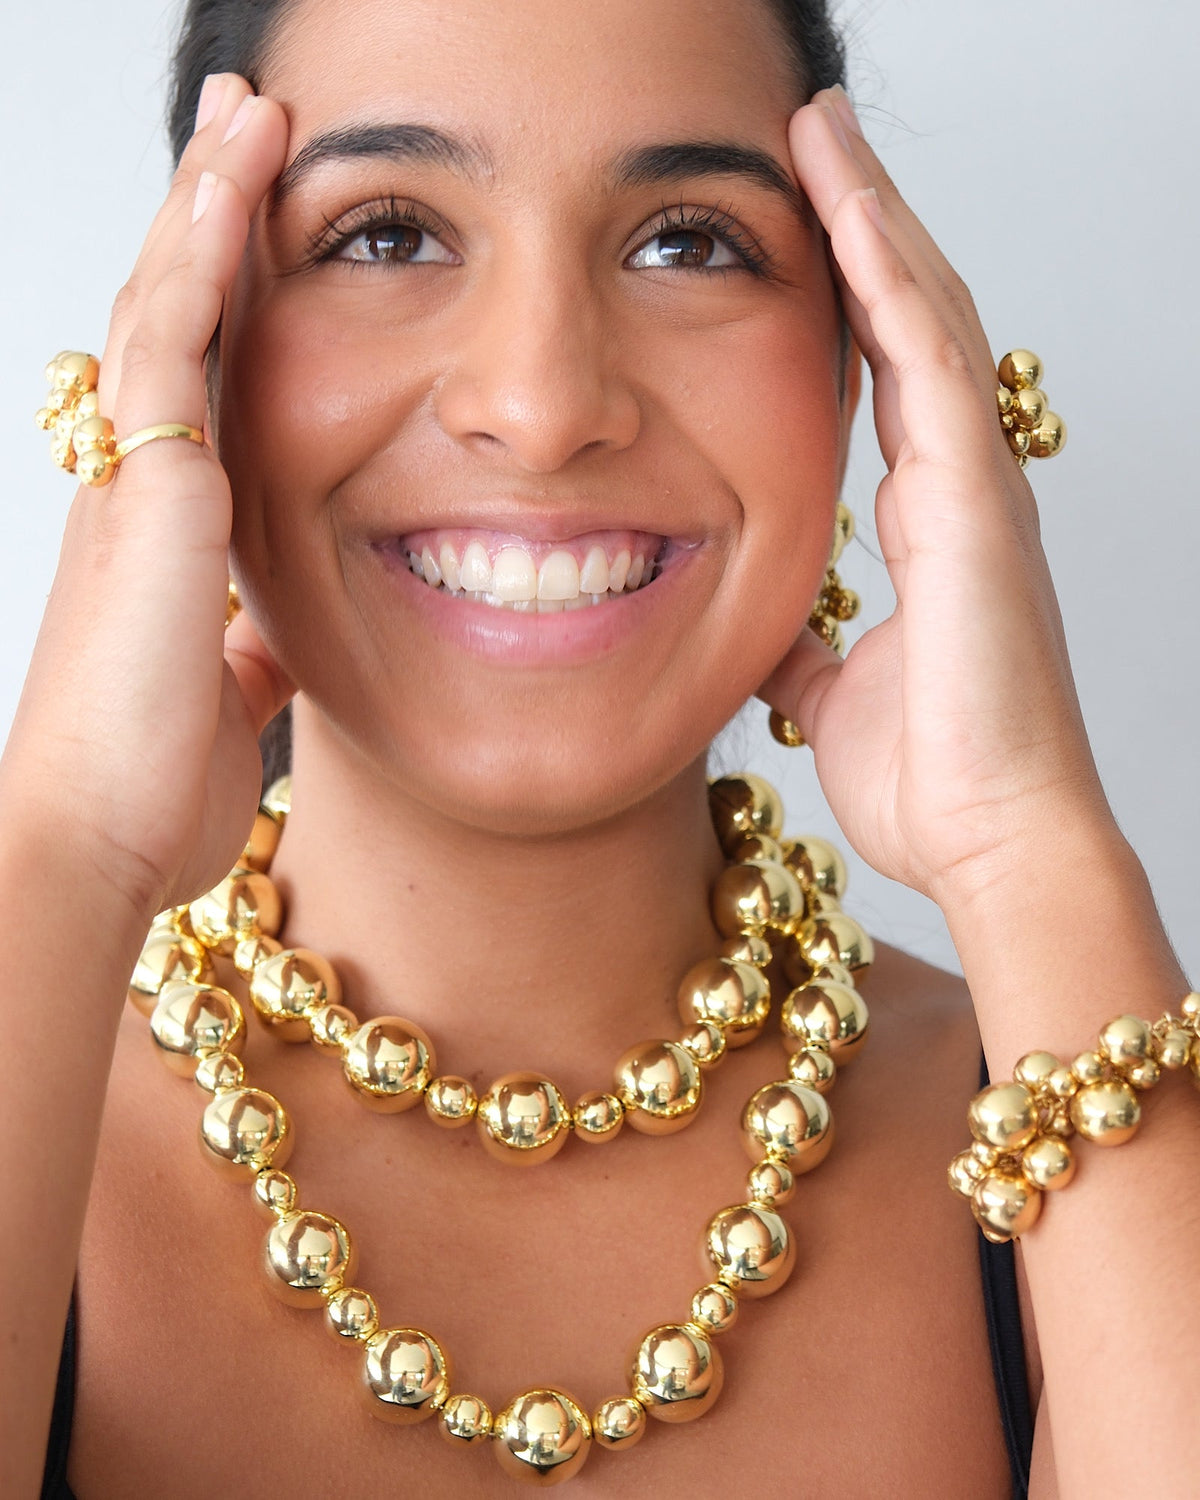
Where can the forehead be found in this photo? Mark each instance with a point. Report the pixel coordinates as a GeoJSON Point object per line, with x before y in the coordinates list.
{"type": "Point", "coordinates": [543, 77]}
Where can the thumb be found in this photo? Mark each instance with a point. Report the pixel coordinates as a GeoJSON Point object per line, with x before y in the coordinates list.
{"type": "Point", "coordinates": [798, 685]}
{"type": "Point", "coordinates": [262, 681]}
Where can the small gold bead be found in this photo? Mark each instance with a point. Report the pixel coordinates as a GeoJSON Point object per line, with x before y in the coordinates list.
{"type": "Point", "coordinates": [813, 1067]}
{"type": "Point", "coordinates": [598, 1117]}
{"type": "Point", "coordinates": [1106, 1112]}
{"type": "Point", "coordinates": [1172, 1047]}
{"type": "Point", "coordinates": [706, 1042]}
{"type": "Point", "coordinates": [619, 1422]}
{"type": "Point", "coordinates": [351, 1314]}
{"type": "Point", "coordinates": [1020, 370]}
{"type": "Point", "coordinates": [252, 950]}
{"type": "Point", "coordinates": [770, 1182]}
{"type": "Point", "coordinates": [1143, 1075]}
{"type": "Point", "coordinates": [1190, 1006]}
{"type": "Point", "coordinates": [756, 846]}
{"type": "Point", "coordinates": [1048, 437]}
{"type": "Point", "coordinates": [465, 1420]}
{"type": "Point", "coordinates": [1035, 1069]}
{"type": "Point", "coordinates": [219, 1070]}
{"type": "Point", "coordinates": [1126, 1040]}
{"type": "Point", "coordinates": [1088, 1067]}
{"type": "Point", "coordinates": [714, 1307]}
{"type": "Point", "coordinates": [1062, 1083]}
{"type": "Point", "coordinates": [987, 1156]}
{"type": "Point", "coordinates": [260, 847]}
{"type": "Point", "coordinates": [964, 1172]}
{"type": "Point", "coordinates": [274, 1192]}
{"type": "Point", "coordinates": [330, 1025]}
{"type": "Point", "coordinates": [746, 948]}
{"type": "Point", "coordinates": [542, 1437]}
{"type": "Point", "coordinates": [1048, 1163]}
{"type": "Point", "coordinates": [450, 1101]}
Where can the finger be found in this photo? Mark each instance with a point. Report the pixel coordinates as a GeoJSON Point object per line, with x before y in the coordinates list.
{"type": "Point", "coordinates": [798, 685]}
{"type": "Point", "coordinates": [264, 685]}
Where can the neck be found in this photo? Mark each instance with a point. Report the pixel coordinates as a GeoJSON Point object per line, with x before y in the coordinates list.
{"type": "Point", "coordinates": [554, 953]}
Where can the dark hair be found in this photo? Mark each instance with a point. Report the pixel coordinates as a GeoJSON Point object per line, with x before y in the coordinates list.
{"type": "Point", "coordinates": [236, 36]}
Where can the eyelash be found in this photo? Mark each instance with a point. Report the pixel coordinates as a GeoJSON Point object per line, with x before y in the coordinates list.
{"type": "Point", "coordinates": [335, 234]}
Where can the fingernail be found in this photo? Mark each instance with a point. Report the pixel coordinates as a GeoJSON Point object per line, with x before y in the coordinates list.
{"type": "Point", "coordinates": [244, 110]}
{"type": "Point", "coordinates": [205, 189]}
{"type": "Point", "coordinates": [210, 99]}
{"type": "Point", "coordinates": [841, 102]}
{"type": "Point", "coordinates": [870, 201]}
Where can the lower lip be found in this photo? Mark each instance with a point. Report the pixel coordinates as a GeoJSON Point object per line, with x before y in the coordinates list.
{"type": "Point", "coordinates": [569, 636]}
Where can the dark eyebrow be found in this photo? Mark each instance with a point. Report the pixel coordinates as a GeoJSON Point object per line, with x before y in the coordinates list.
{"type": "Point", "coordinates": [673, 162]}
{"type": "Point", "coordinates": [421, 143]}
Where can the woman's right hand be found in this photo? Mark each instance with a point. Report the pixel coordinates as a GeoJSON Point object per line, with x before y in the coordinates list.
{"type": "Point", "coordinates": [136, 735]}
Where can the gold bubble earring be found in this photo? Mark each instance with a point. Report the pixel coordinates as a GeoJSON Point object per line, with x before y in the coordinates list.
{"type": "Point", "coordinates": [835, 604]}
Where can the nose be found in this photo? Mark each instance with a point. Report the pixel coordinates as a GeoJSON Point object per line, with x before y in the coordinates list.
{"type": "Point", "coordinates": [536, 376]}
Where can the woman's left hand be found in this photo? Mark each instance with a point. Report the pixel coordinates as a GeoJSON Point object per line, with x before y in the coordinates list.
{"type": "Point", "coordinates": [949, 742]}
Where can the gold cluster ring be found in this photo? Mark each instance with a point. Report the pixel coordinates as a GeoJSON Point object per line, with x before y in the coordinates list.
{"type": "Point", "coordinates": [1032, 429]}
{"type": "Point", "coordinates": [82, 441]}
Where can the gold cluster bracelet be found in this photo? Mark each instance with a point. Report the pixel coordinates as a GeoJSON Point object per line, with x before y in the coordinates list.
{"type": "Point", "coordinates": [1021, 1129]}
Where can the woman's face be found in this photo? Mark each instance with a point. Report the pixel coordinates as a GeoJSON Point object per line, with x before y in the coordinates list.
{"type": "Point", "coordinates": [535, 298]}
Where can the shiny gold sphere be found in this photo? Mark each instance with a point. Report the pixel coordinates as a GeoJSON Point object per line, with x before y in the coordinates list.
{"type": "Point", "coordinates": [1088, 1067]}
{"type": "Point", "coordinates": [166, 955]}
{"type": "Point", "coordinates": [677, 1372]}
{"type": "Point", "coordinates": [1005, 1205]}
{"type": "Point", "coordinates": [1003, 1115]}
{"type": "Point", "coordinates": [1127, 1040]}
{"type": "Point", "coordinates": [831, 937]}
{"type": "Point", "coordinates": [450, 1101]}
{"type": "Point", "coordinates": [784, 730]}
{"type": "Point", "coordinates": [1048, 437]}
{"type": "Point", "coordinates": [619, 1422]}
{"type": "Point", "coordinates": [789, 1121]}
{"type": "Point", "coordinates": [1172, 1047]}
{"type": "Point", "coordinates": [523, 1119]}
{"type": "Point", "coordinates": [754, 896]}
{"type": "Point", "coordinates": [735, 995]}
{"type": "Point", "coordinates": [1061, 1083]}
{"type": "Point", "coordinates": [660, 1086]}
{"type": "Point", "coordinates": [286, 986]}
{"type": "Point", "coordinates": [707, 1043]}
{"type": "Point", "coordinates": [964, 1172]}
{"type": "Point", "coordinates": [465, 1420]}
{"type": "Point", "coordinates": [192, 1019]}
{"type": "Point", "coordinates": [1143, 1075]}
{"type": "Point", "coordinates": [598, 1117]}
{"type": "Point", "coordinates": [757, 846]}
{"type": "Point", "coordinates": [244, 1130]}
{"type": "Point", "coordinates": [1107, 1113]}
{"type": "Point", "coordinates": [1036, 1069]}
{"type": "Point", "coordinates": [714, 1307]}
{"type": "Point", "coordinates": [275, 1192]}
{"type": "Point", "coordinates": [1029, 406]}
{"type": "Point", "coordinates": [746, 948]}
{"type": "Point", "coordinates": [351, 1314]}
{"type": "Point", "coordinates": [250, 951]}
{"type": "Point", "coordinates": [817, 863]}
{"type": "Point", "coordinates": [843, 530]}
{"type": "Point", "coordinates": [262, 843]}
{"type": "Point", "coordinates": [832, 1015]}
{"type": "Point", "coordinates": [307, 1255]}
{"type": "Point", "coordinates": [1020, 370]}
{"type": "Point", "coordinates": [744, 804]}
{"type": "Point", "coordinates": [330, 1025]}
{"type": "Point", "coordinates": [218, 1070]}
{"type": "Point", "coordinates": [244, 904]}
{"type": "Point", "coordinates": [542, 1437]}
{"type": "Point", "coordinates": [751, 1247]}
{"type": "Point", "coordinates": [814, 1067]}
{"type": "Point", "coordinates": [406, 1374]}
{"type": "Point", "coordinates": [523, 1114]}
{"type": "Point", "coordinates": [770, 1182]}
{"type": "Point", "coordinates": [389, 1062]}
{"type": "Point", "coordinates": [1048, 1163]}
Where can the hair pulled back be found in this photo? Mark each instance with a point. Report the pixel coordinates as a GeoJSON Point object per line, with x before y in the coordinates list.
{"type": "Point", "coordinates": [235, 36]}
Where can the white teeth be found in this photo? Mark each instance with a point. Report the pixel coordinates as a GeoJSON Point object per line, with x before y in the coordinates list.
{"type": "Point", "coordinates": [433, 574]}
{"type": "Point", "coordinates": [558, 577]}
{"type": "Point", "coordinates": [636, 568]}
{"type": "Point", "coordinates": [476, 568]}
{"type": "Point", "coordinates": [451, 576]}
{"type": "Point", "coordinates": [551, 606]}
{"type": "Point", "coordinates": [580, 601]}
{"type": "Point", "coordinates": [618, 571]}
{"type": "Point", "coordinates": [593, 576]}
{"type": "Point", "coordinates": [414, 565]}
{"type": "Point", "coordinates": [514, 578]}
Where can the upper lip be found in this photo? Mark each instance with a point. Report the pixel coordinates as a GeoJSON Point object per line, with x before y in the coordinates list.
{"type": "Point", "coordinates": [533, 524]}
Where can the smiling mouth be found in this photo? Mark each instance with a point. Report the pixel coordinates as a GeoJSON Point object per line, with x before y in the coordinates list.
{"type": "Point", "coordinates": [510, 572]}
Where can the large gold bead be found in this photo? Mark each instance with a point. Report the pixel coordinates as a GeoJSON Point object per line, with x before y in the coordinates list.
{"type": "Point", "coordinates": [598, 1117]}
{"type": "Point", "coordinates": [450, 1101]}
{"type": "Point", "coordinates": [406, 1374]}
{"type": "Point", "coordinates": [714, 1307]}
{"type": "Point", "coordinates": [523, 1119]}
{"type": "Point", "coordinates": [1127, 1040]}
{"type": "Point", "coordinates": [351, 1314]}
{"type": "Point", "coordinates": [1048, 1163]}
{"type": "Point", "coordinates": [1005, 1205]}
{"type": "Point", "coordinates": [465, 1420]}
{"type": "Point", "coordinates": [735, 995]}
{"type": "Point", "coordinates": [619, 1422]}
{"type": "Point", "coordinates": [542, 1437]}
{"type": "Point", "coordinates": [755, 896]}
{"type": "Point", "coordinates": [244, 1130]}
{"type": "Point", "coordinates": [1020, 370]}
{"type": "Point", "coordinates": [307, 1255]}
{"type": "Point", "coordinates": [1003, 1115]}
{"type": "Point", "coordinates": [286, 987]}
{"type": "Point", "coordinates": [831, 937]}
{"type": "Point", "coordinates": [751, 1247]}
{"type": "Point", "coordinates": [677, 1372]}
{"type": "Point", "coordinates": [660, 1086]}
{"type": "Point", "coordinates": [243, 904]}
{"type": "Point", "coordinates": [190, 1020]}
{"type": "Point", "coordinates": [1036, 1069]}
{"type": "Point", "coordinates": [789, 1121]}
{"type": "Point", "coordinates": [744, 804]}
{"type": "Point", "coordinates": [1106, 1112]}
{"type": "Point", "coordinates": [389, 1062]}
{"type": "Point", "coordinates": [818, 864]}
{"type": "Point", "coordinates": [166, 955]}
{"type": "Point", "coordinates": [263, 841]}
{"type": "Point", "coordinates": [1048, 437]}
{"type": "Point", "coordinates": [832, 1015]}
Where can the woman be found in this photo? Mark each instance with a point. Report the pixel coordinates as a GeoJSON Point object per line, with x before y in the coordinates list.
{"type": "Point", "coordinates": [487, 298]}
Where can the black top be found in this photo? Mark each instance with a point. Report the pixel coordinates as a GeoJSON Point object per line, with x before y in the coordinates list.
{"type": "Point", "coordinates": [1007, 1343]}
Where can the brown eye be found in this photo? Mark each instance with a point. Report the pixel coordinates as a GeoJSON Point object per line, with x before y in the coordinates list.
{"type": "Point", "coordinates": [685, 249]}
{"type": "Point", "coordinates": [387, 244]}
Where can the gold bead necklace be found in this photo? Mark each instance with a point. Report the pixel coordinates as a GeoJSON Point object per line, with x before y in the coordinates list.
{"type": "Point", "coordinates": [542, 1436]}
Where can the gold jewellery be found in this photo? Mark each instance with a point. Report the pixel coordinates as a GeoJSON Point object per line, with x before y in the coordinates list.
{"type": "Point", "coordinates": [543, 1435]}
{"type": "Point", "coordinates": [82, 441]}
{"type": "Point", "coordinates": [1021, 1129]}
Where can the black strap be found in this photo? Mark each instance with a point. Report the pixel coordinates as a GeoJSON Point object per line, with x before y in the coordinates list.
{"type": "Point", "coordinates": [1007, 1341]}
{"type": "Point", "coordinates": [54, 1476]}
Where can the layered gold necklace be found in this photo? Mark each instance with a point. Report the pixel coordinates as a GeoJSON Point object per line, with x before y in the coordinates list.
{"type": "Point", "coordinates": [777, 901]}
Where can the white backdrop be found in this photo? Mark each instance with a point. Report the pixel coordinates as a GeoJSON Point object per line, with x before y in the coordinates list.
{"type": "Point", "coordinates": [1053, 159]}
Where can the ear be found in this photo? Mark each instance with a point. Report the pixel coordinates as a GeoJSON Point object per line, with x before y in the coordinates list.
{"type": "Point", "coordinates": [852, 382]}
